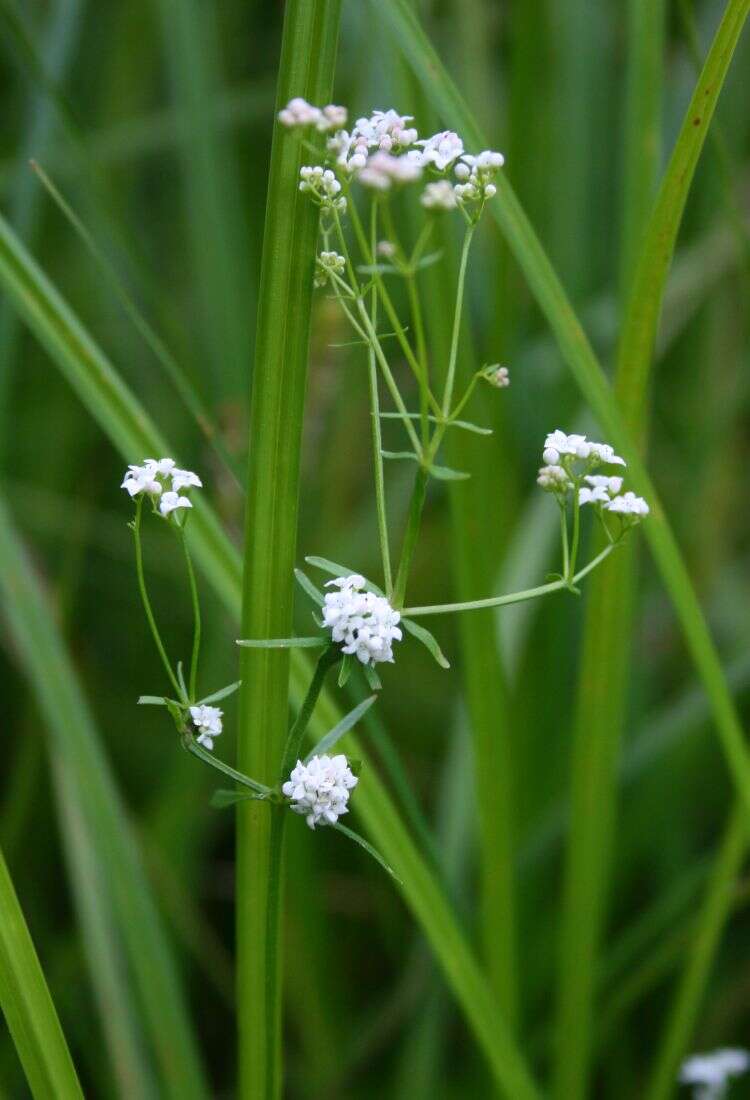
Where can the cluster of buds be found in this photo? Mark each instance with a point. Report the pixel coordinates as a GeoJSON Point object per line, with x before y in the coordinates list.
{"type": "Point", "coordinates": [569, 461]}
{"type": "Point", "coordinates": [298, 112]}
{"type": "Point", "coordinates": [365, 622]}
{"type": "Point", "coordinates": [476, 175]}
{"type": "Point", "coordinates": [323, 187]}
{"type": "Point", "coordinates": [208, 724]}
{"type": "Point", "coordinates": [497, 376]}
{"type": "Point", "coordinates": [162, 481]}
{"type": "Point", "coordinates": [382, 132]}
{"type": "Point", "coordinates": [327, 264]}
{"type": "Point", "coordinates": [320, 789]}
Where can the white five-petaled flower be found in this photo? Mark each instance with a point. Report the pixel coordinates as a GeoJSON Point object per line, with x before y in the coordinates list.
{"type": "Point", "coordinates": [440, 149]}
{"type": "Point", "coordinates": [628, 505]}
{"type": "Point", "coordinates": [320, 789]}
{"type": "Point", "coordinates": [365, 623]}
{"type": "Point", "coordinates": [382, 170]}
{"type": "Point", "coordinates": [207, 720]}
{"type": "Point", "coordinates": [298, 112]}
{"type": "Point", "coordinates": [161, 477]}
{"type": "Point", "coordinates": [439, 195]}
{"type": "Point", "coordinates": [710, 1073]}
{"type": "Point", "coordinates": [553, 479]}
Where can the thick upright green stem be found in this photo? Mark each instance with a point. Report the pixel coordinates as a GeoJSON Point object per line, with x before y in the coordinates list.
{"type": "Point", "coordinates": [306, 69]}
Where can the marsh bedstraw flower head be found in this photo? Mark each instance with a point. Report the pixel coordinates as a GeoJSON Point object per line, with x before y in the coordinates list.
{"type": "Point", "coordinates": [386, 249]}
{"type": "Point", "coordinates": [600, 489]}
{"type": "Point", "coordinates": [497, 376]}
{"type": "Point", "coordinates": [629, 505]}
{"type": "Point", "coordinates": [322, 187]}
{"type": "Point", "coordinates": [320, 789]}
{"type": "Point", "coordinates": [439, 196]}
{"type": "Point", "coordinates": [382, 170]}
{"type": "Point", "coordinates": [208, 723]}
{"type": "Point", "coordinates": [709, 1074]}
{"type": "Point", "coordinates": [440, 150]}
{"type": "Point", "coordinates": [553, 479]}
{"type": "Point", "coordinates": [364, 622]}
{"type": "Point", "coordinates": [327, 263]}
{"type": "Point", "coordinates": [475, 175]}
{"type": "Point", "coordinates": [161, 478]}
{"type": "Point", "coordinates": [298, 112]}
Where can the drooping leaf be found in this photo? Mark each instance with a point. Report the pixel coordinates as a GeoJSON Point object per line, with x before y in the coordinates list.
{"type": "Point", "coordinates": [427, 639]}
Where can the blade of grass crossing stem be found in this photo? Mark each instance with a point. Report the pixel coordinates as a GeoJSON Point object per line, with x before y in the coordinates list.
{"type": "Point", "coordinates": [308, 56]}
{"type": "Point", "coordinates": [27, 1005]}
{"type": "Point", "coordinates": [578, 354]}
{"type": "Point", "coordinates": [127, 425]}
{"type": "Point", "coordinates": [605, 655]}
{"type": "Point", "coordinates": [42, 654]}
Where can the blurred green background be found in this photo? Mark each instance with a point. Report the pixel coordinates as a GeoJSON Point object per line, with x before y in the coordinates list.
{"type": "Point", "coordinates": [154, 119]}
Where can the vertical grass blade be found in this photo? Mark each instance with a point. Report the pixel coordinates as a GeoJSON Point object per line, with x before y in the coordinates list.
{"type": "Point", "coordinates": [308, 55]}
{"type": "Point", "coordinates": [27, 1005]}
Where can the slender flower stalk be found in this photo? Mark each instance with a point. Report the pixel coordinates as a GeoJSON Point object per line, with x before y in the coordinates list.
{"type": "Point", "coordinates": [147, 602]}
{"type": "Point", "coordinates": [193, 681]}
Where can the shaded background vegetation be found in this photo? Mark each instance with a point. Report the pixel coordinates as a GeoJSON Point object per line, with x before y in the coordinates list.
{"type": "Point", "coordinates": [154, 118]}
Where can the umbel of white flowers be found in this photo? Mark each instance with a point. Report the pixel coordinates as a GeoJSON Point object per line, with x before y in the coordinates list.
{"type": "Point", "coordinates": [384, 150]}
{"type": "Point", "coordinates": [320, 789]}
{"type": "Point", "coordinates": [208, 723]}
{"type": "Point", "coordinates": [364, 622]}
{"type": "Point", "coordinates": [162, 480]}
{"type": "Point", "coordinates": [709, 1074]}
{"type": "Point", "coordinates": [570, 458]}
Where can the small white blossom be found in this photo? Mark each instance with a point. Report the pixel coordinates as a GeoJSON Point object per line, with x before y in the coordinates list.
{"type": "Point", "coordinates": [328, 262]}
{"type": "Point", "coordinates": [207, 720]}
{"type": "Point", "coordinates": [382, 170]}
{"type": "Point", "coordinates": [140, 479]}
{"type": "Point", "coordinates": [498, 376]}
{"type": "Point", "coordinates": [601, 481]}
{"type": "Point", "coordinates": [185, 479]}
{"type": "Point", "coordinates": [322, 186]}
{"type": "Point", "coordinates": [170, 502]}
{"type": "Point", "coordinates": [604, 453]}
{"type": "Point", "coordinates": [439, 196]}
{"type": "Point", "coordinates": [155, 475]}
{"type": "Point", "coordinates": [710, 1073]}
{"type": "Point", "coordinates": [364, 622]}
{"type": "Point", "coordinates": [440, 150]}
{"type": "Point", "coordinates": [597, 495]}
{"type": "Point", "coordinates": [386, 249]}
{"type": "Point", "coordinates": [386, 130]}
{"type": "Point", "coordinates": [628, 505]}
{"type": "Point", "coordinates": [298, 112]}
{"type": "Point", "coordinates": [320, 789]}
{"type": "Point", "coordinates": [553, 479]}
{"type": "Point", "coordinates": [558, 443]}
{"type": "Point", "coordinates": [160, 467]}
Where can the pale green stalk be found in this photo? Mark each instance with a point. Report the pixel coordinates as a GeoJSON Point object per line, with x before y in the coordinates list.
{"type": "Point", "coordinates": [450, 377]}
{"type": "Point", "coordinates": [195, 601]}
{"type": "Point", "coordinates": [377, 435]}
{"type": "Point", "coordinates": [147, 602]}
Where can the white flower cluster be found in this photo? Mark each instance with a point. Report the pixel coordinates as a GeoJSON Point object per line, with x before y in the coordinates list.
{"type": "Point", "coordinates": [383, 131]}
{"type": "Point", "coordinates": [439, 195]}
{"type": "Point", "coordinates": [382, 170]}
{"type": "Point", "coordinates": [298, 112]}
{"type": "Point", "coordinates": [364, 622]}
{"type": "Point", "coordinates": [498, 376]}
{"type": "Point", "coordinates": [476, 174]}
{"type": "Point", "coordinates": [560, 454]}
{"type": "Point", "coordinates": [710, 1073]}
{"type": "Point", "coordinates": [152, 478]}
{"type": "Point", "coordinates": [208, 722]}
{"type": "Point", "coordinates": [320, 789]}
{"type": "Point", "coordinates": [439, 150]}
{"type": "Point", "coordinates": [322, 186]}
{"type": "Point", "coordinates": [328, 262]}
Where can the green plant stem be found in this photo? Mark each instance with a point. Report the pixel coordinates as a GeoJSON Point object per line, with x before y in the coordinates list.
{"type": "Point", "coordinates": [511, 597]}
{"type": "Point", "coordinates": [411, 534]}
{"type": "Point", "coordinates": [193, 682]}
{"type": "Point", "coordinates": [564, 541]}
{"type": "Point", "coordinates": [451, 372]}
{"type": "Point", "coordinates": [377, 435]}
{"type": "Point", "coordinates": [576, 538]}
{"type": "Point", "coordinates": [331, 656]}
{"type": "Point", "coordinates": [147, 602]}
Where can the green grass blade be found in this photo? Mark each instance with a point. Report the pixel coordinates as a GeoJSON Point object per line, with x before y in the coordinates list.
{"type": "Point", "coordinates": [43, 656]}
{"type": "Point", "coordinates": [578, 354]}
{"type": "Point", "coordinates": [27, 1005]}
{"type": "Point", "coordinates": [130, 430]}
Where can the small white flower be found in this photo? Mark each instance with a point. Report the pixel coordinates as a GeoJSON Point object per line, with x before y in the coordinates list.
{"type": "Point", "coordinates": [710, 1073]}
{"type": "Point", "coordinates": [365, 623]}
{"type": "Point", "coordinates": [298, 112]}
{"type": "Point", "coordinates": [386, 249]}
{"type": "Point", "coordinates": [160, 467]}
{"type": "Point", "coordinates": [320, 789]}
{"type": "Point", "coordinates": [498, 376]}
{"type": "Point", "coordinates": [441, 149]}
{"type": "Point", "coordinates": [628, 505]}
{"type": "Point", "coordinates": [604, 453]}
{"type": "Point", "coordinates": [382, 170]}
{"type": "Point", "coordinates": [208, 721]}
{"type": "Point", "coordinates": [170, 501]}
{"type": "Point", "coordinates": [601, 481]}
{"type": "Point", "coordinates": [553, 479]}
{"type": "Point", "coordinates": [597, 495]}
{"type": "Point", "coordinates": [185, 479]}
{"type": "Point", "coordinates": [558, 443]}
{"type": "Point", "coordinates": [439, 196]}
{"type": "Point", "coordinates": [331, 118]}
{"type": "Point", "coordinates": [140, 479]}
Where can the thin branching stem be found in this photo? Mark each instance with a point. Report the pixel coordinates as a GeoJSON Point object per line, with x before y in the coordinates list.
{"type": "Point", "coordinates": [193, 681]}
{"type": "Point", "coordinates": [147, 602]}
{"type": "Point", "coordinates": [377, 435]}
{"type": "Point", "coordinates": [451, 373]}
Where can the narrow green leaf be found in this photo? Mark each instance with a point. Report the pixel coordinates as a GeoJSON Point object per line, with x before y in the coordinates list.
{"type": "Point", "coordinates": [445, 473]}
{"type": "Point", "coordinates": [396, 455]}
{"type": "Point", "coordinates": [345, 671]}
{"type": "Point", "coordinates": [465, 424]}
{"type": "Point", "coordinates": [282, 643]}
{"type": "Point", "coordinates": [347, 723]}
{"type": "Point", "coordinates": [152, 701]}
{"type": "Point", "coordinates": [308, 587]}
{"type": "Point", "coordinates": [221, 799]}
{"type": "Point", "coordinates": [373, 680]}
{"type": "Point", "coordinates": [427, 639]}
{"type": "Point", "coordinates": [222, 693]}
{"type": "Point", "coordinates": [27, 1005]}
{"type": "Point", "coordinates": [367, 847]}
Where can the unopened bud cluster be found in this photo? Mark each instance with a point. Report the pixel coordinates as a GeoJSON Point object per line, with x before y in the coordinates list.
{"type": "Point", "coordinates": [328, 263]}
{"type": "Point", "coordinates": [322, 187]}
